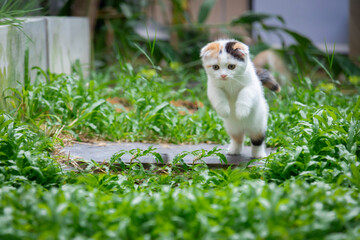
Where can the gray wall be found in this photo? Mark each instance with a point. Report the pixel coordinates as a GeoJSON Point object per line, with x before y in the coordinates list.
{"type": "Point", "coordinates": [319, 20]}
{"type": "Point", "coordinates": [53, 43]}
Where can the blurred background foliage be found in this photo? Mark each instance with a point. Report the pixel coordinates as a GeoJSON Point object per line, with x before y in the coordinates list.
{"type": "Point", "coordinates": [123, 31]}
{"type": "Point", "coordinates": [119, 32]}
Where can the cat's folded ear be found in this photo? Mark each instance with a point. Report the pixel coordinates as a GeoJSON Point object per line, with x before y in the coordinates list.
{"type": "Point", "coordinates": [211, 49]}
{"type": "Point", "coordinates": [244, 49]}
{"type": "Point", "coordinates": [203, 52]}
{"type": "Point", "coordinates": [237, 49]}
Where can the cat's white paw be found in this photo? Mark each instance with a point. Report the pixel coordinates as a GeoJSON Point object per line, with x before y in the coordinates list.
{"type": "Point", "coordinates": [234, 149]}
{"type": "Point", "coordinates": [233, 152]}
{"type": "Point", "coordinates": [224, 112]}
{"type": "Point", "coordinates": [242, 112]}
{"type": "Point", "coordinates": [261, 155]}
{"type": "Point", "coordinates": [258, 152]}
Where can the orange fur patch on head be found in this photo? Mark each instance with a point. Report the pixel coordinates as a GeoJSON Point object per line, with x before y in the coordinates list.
{"type": "Point", "coordinates": [215, 47]}
{"type": "Point", "coordinates": [212, 50]}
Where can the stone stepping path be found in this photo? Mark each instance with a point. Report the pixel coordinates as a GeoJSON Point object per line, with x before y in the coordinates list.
{"type": "Point", "coordinates": [102, 152]}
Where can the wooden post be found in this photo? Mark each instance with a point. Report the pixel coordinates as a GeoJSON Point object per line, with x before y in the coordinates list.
{"type": "Point", "coordinates": [354, 30]}
{"type": "Point", "coordinates": [88, 8]}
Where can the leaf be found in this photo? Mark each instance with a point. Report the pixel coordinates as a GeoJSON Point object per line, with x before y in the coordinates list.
{"type": "Point", "coordinates": [298, 151]}
{"type": "Point", "coordinates": [5, 124]}
{"type": "Point", "coordinates": [147, 151]}
{"type": "Point", "coordinates": [290, 167]}
{"type": "Point", "coordinates": [116, 157]}
{"type": "Point", "coordinates": [355, 175]}
{"type": "Point", "coordinates": [35, 169]}
{"type": "Point", "coordinates": [147, 56]}
{"type": "Point", "coordinates": [351, 135]}
{"type": "Point", "coordinates": [213, 151]}
{"type": "Point", "coordinates": [251, 17]}
{"type": "Point", "coordinates": [300, 39]}
{"type": "Point", "coordinates": [158, 157]}
{"type": "Point", "coordinates": [321, 119]}
{"type": "Point", "coordinates": [156, 129]}
{"type": "Point", "coordinates": [330, 60]}
{"type": "Point", "coordinates": [222, 157]}
{"type": "Point", "coordinates": [159, 108]}
{"type": "Point", "coordinates": [332, 111]}
{"type": "Point", "coordinates": [255, 160]}
{"type": "Point", "coordinates": [87, 112]}
{"type": "Point", "coordinates": [153, 113]}
{"type": "Point", "coordinates": [205, 9]}
{"type": "Point", "coordinates": [179, 158]}
{"type": "Point", "coordinates": [323, 67]}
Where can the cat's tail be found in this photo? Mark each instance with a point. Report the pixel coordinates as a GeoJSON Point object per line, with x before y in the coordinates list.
{"type": "Point", "coordinates": [268, 80]}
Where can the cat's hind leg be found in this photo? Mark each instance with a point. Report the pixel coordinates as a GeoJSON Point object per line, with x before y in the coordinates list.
{"type": "Point", "coordinates": [258, 145]}
{"type": "Point", "coordinates": [236, 144]}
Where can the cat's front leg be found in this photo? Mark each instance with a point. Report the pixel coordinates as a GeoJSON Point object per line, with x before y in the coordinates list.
{"type": "Point", "coordinates": [219, 101]}
{"type": "Point", "coordinates": [244, 103]}
{"type": "Point", "coordinates": [223, 109]}
{"type": "Point", "coordinates": [236, 144]}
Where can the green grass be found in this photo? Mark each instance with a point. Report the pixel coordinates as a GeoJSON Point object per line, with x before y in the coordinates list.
{"type": "Point", "coordinates": [24, 155]}
{"type": "Point", "coordinates": [308, 188]}
{"type": "Point", "coordinates": [73, 104]}
{"type": "Point", "coordinates": [254, 210]}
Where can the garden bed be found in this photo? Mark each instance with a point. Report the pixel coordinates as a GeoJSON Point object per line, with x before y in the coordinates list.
{"type": "Point", "coordinates": [307, 189]}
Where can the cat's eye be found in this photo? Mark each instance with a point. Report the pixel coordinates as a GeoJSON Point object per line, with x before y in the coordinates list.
{"type": "Point", "coordinates": [231, 66]}
{"type": "Point", "coordinates": [215, 67]}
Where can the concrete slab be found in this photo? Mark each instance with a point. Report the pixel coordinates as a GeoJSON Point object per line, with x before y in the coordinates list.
{"type": "Point", "coordinates": [53, 43]}
{"type": "Point", "coordinates": [68, 41]}
{"type": "Point", "coordinates": [104, 151]}
{"type": "Point", "coordinates": [15, 44]}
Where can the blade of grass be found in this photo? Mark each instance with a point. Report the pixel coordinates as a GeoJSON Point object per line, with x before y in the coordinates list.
{"type": "Point", "coordinates": [323, 67]}
{"type": "Point", "coordinates": [330, 61]}
{"type": "Point", "coordinates": [151, 46]}
{"type": "Point", "coordinates": [147, 56]}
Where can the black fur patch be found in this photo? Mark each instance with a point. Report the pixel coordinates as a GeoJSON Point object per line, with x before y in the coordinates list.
{"type": "Point", "coordinates": [258, 141]}
{"type": "Point", "coordinates": [268, 80]}
{"type": "Point", "coordinates": [234, 52]}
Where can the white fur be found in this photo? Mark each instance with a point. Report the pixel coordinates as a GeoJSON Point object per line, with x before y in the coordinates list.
{"type": "Point", "coordinates": [239, 99]}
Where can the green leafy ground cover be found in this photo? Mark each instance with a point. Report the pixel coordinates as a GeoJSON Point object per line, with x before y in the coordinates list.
{"type": "Point", "coordinates": [308, 189]}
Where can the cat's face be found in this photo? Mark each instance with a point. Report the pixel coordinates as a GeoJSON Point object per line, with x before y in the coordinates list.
{"type": "Point", "coordinates": [224, 60]}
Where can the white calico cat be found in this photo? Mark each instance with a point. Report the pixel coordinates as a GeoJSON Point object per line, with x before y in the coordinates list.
{"type": "Point", "coordinates": [236, 93]}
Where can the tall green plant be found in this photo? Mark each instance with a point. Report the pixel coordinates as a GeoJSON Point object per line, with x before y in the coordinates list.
{"type": "Point", "coordinates": [11, 10]}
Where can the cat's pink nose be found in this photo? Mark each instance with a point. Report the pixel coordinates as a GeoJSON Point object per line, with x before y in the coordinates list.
{"type": "Point", "coordinates": [223, 76]}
